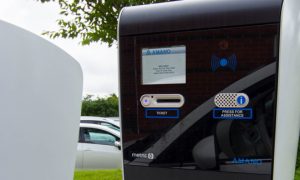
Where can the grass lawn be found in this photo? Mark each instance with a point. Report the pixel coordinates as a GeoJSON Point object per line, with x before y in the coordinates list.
{"type": "Point", "coordinates": [297, 176]}
{"type": "Point", "coordinates": [98, 175]}
{"type": "Point", "coordinates": [117, 175]}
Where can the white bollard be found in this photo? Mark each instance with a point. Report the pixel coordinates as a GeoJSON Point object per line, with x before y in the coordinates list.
{"type": "Point", "coordinates": [41, 90]}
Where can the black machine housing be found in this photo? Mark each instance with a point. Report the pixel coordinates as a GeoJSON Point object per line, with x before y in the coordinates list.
{"type": "Point", "coordinates": [229, 47]}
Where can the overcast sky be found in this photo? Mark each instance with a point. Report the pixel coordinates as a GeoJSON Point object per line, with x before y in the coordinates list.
{"type": "Point", "coordinates": [99, 63]}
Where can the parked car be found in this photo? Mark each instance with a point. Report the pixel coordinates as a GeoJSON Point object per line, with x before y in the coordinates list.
{"type": "Point", "coordinates": [112, 123]}
{"type": "Point", "coordinates": [98, 147]}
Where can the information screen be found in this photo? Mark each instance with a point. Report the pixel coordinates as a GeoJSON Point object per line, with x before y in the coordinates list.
{"type": "Point", "coordinates": [164, 65]}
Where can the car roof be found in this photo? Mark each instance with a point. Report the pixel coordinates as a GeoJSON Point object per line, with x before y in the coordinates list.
{"type": "Point", "coordinates": [101, 119]}
{"type": "Point", "coordinates": [100, 127]}
{"type": "Point", "coordinates": [114, 118]}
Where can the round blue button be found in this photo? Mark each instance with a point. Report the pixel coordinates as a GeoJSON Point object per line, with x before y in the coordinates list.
{"type": "Point", "coordinates": [241, 100]}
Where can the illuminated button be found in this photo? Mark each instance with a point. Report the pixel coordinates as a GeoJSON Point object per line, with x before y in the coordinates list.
{"type": "Point", "coordinates": [146, 101]}
{"type": "Point", "coordinates": [241, 100]}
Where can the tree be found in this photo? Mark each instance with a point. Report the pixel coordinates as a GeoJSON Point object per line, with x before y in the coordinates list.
{"type": "Point", "coordinates": [105, 107]}
{"type": "Point", "coordinates": [91, 20]}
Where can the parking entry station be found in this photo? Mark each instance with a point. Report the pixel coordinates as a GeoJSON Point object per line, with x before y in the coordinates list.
{"type": "Point", "coordinates": [208, 90]}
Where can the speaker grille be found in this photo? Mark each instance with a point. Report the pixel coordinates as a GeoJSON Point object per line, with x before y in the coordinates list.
{"type": "Point", "coordinates": [231, 100]}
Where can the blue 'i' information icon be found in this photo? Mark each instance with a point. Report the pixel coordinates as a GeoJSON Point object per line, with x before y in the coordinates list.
{"type": "Point", "coordinates": [241, 100]}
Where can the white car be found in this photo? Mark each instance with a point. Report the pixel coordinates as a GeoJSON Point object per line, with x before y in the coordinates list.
{"type": "Point", "coordinates": [98, 147]}
{"type": "Point", "coordinates": [112, 123]}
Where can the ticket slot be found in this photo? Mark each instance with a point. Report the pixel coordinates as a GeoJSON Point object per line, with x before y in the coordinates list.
{"type": "Point", "coordinates": [168, 100]}
{"type": "Point", "coordinates": [162, 100]}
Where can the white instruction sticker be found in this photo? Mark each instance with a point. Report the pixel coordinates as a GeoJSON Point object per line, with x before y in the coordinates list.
{"type": "Point", "coordinates": [164, 65]}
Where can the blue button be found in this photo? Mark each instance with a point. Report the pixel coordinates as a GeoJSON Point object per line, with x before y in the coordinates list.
{"type": "Point", "coordinates": [241, 100]}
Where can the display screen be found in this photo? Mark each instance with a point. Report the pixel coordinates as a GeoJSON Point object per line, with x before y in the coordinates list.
{"type": "Point", "coordinates": [165, 65]}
